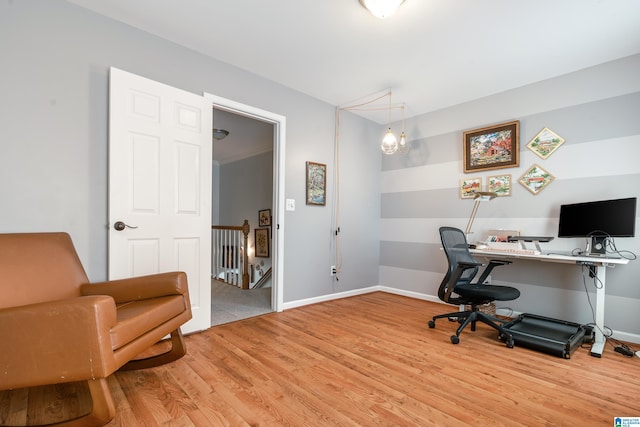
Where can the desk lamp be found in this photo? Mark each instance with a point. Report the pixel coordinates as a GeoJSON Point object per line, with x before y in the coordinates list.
{"type": "Point", "coordinates": [481, 196]}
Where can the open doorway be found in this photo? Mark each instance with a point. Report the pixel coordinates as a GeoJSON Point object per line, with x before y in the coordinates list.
{"type": "Point", "coordinates": [247, 183]}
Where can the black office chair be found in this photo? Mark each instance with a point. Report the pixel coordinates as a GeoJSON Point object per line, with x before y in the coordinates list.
{"type": "Point", "coordinates": [462, 270]}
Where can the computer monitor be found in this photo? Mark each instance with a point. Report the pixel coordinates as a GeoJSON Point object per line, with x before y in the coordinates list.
{"type": "Point", "coordinates": [598, 220]}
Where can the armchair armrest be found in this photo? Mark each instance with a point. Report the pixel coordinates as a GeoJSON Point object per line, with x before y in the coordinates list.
{"type": "Point", "coordinates": [37, 339]}
{"type": "Point", "coordinates": [140, 288]}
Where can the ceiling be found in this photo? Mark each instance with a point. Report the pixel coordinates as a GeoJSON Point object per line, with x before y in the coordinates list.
{"type": "Point", "coordinates": [247, 137]}
{"type": "Point", "coordinates": [432, 54]}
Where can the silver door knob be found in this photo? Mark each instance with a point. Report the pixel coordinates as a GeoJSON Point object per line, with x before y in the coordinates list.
{"type": "Point", "coordinates": [119, 226]}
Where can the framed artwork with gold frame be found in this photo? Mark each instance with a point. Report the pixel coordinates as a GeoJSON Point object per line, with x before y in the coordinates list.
{"type": "Point", "coordinates": [499, 184]}
{"type": "Point", "coordinates": [316, 180]}
{"type": "Point", "coordinates": [262, 242]}
{"type": "Point", "coordinates": [545, 143]}
{"type": "Point", "coordinates": [492, 147]}
{"type": "Point", "coordinates": [469, 187]}
{"type": "Point", "coordinates": [535, 179]}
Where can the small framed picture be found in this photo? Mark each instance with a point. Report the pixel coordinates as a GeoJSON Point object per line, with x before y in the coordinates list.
{"type": "Point", "coordinates": [536, 179]}
{"type": "Point", "coordinates": [469, 187]}
{"type": "Point", "coordinates": [545, 143]}
{"type": "Point", "coordinates": [262, 242]}
{"type": "Point", "coordinates": [264, 218]}
{"type": "Point", "coordinates": [492, 147]}
{"type": "Point", "coordinates": [316, 184]}
{"type": "Point", "coordinates": [499, 184]}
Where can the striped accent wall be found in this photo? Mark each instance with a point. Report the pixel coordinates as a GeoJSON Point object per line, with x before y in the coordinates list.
{"type": "Point", "coordinates": [599, 160]}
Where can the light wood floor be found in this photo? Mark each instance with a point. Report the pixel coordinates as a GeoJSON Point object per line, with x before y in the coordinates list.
{"type": "Point", "coordinates": [366, 360]}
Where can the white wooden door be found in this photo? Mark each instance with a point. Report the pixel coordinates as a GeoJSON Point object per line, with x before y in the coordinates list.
{"type": "Point", "coordinates": [160, 185]}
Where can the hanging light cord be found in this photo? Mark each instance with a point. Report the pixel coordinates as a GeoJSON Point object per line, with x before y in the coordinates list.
{"type": "Point", "coordinates": [366, 105]}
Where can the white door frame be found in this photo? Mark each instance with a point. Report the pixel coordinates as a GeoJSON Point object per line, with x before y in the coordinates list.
{"type": "Point", "coordinates": [279, 122]}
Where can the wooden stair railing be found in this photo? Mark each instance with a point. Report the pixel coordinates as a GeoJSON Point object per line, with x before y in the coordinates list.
{"type": "Point", "coordinates": [226, 242]}
{"type": "Point", "coordinates": [264, 279]}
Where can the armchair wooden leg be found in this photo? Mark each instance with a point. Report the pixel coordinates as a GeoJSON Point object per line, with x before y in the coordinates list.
{"type": "Point", "coordinates": [103, 411]}
{"type": "Point", "coordinates": [177, 350]}
{"type": "Point", "coordinates": [104, 408]}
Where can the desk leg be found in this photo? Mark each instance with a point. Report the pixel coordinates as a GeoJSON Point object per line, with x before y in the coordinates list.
{"type": "Point", "coordinates": [598, 346]}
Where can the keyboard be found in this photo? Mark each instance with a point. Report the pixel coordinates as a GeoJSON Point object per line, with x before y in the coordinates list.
{"type": "Point", "coordinates": [508, 248]}
{"type": "Point", "coordinates": [515, 251]}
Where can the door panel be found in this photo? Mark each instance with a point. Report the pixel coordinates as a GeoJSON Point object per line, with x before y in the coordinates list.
{"type": "Point", "coordinates": [160, 185]}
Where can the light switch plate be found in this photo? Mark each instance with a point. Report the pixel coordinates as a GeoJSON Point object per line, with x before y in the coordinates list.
{"type": "Point", "coordinates": [290, 204]}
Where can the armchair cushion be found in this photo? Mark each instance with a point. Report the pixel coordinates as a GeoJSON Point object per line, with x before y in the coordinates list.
{"type": "Point", "coordinates": [135, 318]}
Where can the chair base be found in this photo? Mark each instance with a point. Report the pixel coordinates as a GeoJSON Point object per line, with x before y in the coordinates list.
{"type": "Point", "coordinates": [177, 350]}
{"type": "Point", "coordinates": [471, 317]}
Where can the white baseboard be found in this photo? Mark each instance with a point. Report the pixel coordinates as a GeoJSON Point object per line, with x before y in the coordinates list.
{"type": "Point", "coordinates": [622, 336]}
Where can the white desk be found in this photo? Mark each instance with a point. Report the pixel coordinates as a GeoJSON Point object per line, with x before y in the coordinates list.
{"type": "Point", "coordinates": [600, 263]}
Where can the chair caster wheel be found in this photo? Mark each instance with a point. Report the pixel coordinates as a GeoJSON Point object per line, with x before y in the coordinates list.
{"type": "Point", "coordinates": [510, 343]}
{"type": "Point", "coordinates": [455, 339]}
{"type": "Point", "coordinates": [431, 324]}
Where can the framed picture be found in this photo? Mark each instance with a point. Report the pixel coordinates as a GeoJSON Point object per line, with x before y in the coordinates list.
{"type": "Point", "coordinates": [316, 184]}
{"type": "Point", "coordinates": [469, 187]}
{"type": "Point", "coordinates": [492, 147]}
{"type": "Point", "coordinates": [499, 184]}
{"type": "Point", "coordinates": [262, 242]}
{"type": "Point", "coordinates": [545, 143]}
{"type": "Point", "coordinates": [264, 218]}
{"type": "Point", "coordinates": [536, 179]}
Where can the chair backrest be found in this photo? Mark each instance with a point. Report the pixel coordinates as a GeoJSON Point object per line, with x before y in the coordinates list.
{"type": "Point", "coordinates": [456, 249]}
{"type": "Point", "coordinates": [38, 267]}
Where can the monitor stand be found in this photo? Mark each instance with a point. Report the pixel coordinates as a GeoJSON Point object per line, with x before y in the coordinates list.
{"type": "Point", "coordinates": [598, 246]}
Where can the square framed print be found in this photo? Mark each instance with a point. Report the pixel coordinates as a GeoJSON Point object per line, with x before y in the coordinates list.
{"type": "Point", "coordinates": [264, 218]}
{"type": "Point", "coordinates": [535, 179]}
{"type": "Point", "coordinates": [262, 242]}
{"type": "Point", "coordinates": [545, 143]}
{"type": "Point", "coordinates": [492, 147]}
{"type": "Point", "coordinates": [469, 187]}
{"type": "Point", "coordinates": [316, 180]}
{"type": "Point", "coordinates": [500, 184]}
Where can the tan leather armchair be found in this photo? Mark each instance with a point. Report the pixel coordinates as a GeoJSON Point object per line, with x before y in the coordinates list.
{"type": "Point", "coordinates": [55, 327]}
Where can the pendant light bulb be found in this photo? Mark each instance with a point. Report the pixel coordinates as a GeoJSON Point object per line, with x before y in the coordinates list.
{"type": "Point", "coordinates": [403, 147]}
{"type": "Point", "coordinates": [389, 143]}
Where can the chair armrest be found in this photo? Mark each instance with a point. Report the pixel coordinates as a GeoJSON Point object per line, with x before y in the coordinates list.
{"type": "Point", "coordinates": [457, 274]}
{"type": "Point", "coordinates": [467, 264]}
{"type": "Point", "coordinates": [492, 264]}
{"type": "Point", "coordinates": [55, 342]}
{"type": "Point", "coordinates": [140, 288]}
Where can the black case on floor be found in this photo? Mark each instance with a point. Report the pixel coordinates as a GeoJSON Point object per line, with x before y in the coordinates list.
{"type": "Point", "coordinates": [553, 336]}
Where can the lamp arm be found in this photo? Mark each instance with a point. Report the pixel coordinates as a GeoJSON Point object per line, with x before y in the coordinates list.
{"type": "Point", "coordinates": [472, 217]}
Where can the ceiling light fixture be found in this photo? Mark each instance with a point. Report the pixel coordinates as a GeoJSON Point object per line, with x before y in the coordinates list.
{"type": "Point", "coordinates": [382, 8]}
{"type": "Point", "coordinates": [219, 134]}
{"type": "Point", "coordinates": [389, 142]}
{"type": "Point", "coordinates": [403, 147]}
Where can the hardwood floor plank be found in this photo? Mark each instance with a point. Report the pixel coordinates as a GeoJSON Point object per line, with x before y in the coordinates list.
{"type": "Point", "coordinates": [369, 360]}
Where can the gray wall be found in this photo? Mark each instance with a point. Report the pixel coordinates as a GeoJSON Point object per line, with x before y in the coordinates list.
{"type": "Point", "coordinates": [596, 111]}
{"type": "Point", "coordinates": [246, 186]}
{"type": "Point", "coordinates": [53, 131]}
{"type": "Point", "coordinates": [53, 161]}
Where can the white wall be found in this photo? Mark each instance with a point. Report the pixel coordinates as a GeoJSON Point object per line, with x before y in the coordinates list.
{"type": "Point", "coordinates": [53, 131]}
{"type": "Point", "coordinates": [596, 111]}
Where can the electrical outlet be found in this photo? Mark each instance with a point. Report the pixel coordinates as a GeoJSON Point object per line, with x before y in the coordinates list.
{"type": "Point", "coordinates": [333, 270]}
